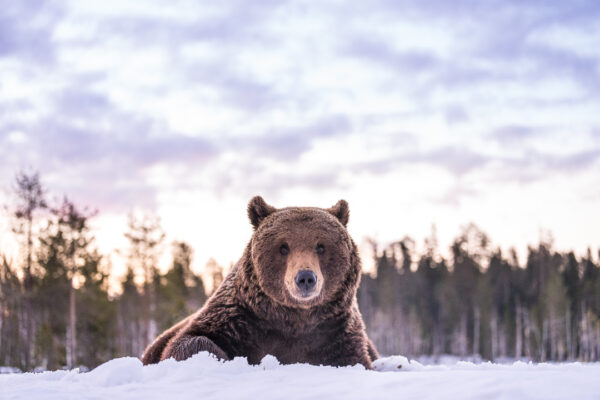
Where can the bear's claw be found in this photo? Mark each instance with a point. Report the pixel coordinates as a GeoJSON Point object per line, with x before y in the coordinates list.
{"type": "Point", "coordinates": [185, 347]}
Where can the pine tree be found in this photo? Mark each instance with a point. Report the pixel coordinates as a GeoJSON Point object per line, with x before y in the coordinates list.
{"type": "Point", "coordinates": [145, 237]}
{"type": "Point", "coordinates": [30, 198]}
{"type": "Point", "coordinates": [13, 347]}
{"type": "Point", "coordinates": [96, 321]}
{"type": "Point", "coordinates": [129, 319]}
{"type": "Point", "coordinates": [64, 250]}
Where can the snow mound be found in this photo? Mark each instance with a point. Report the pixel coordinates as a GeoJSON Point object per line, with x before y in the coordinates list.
{"type": "Point", "coordinates": [204, 377]}
{"type": "Point", "coordinates": [396, 363]}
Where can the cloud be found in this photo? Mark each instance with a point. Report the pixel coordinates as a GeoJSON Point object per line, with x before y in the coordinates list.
{"type": "Point", "coordinates": [513, 133]}
{"type": "Point", "coordinates": [454, 195]}
{"type": "Point", "coordinates": [231, 23]}
{"type": "Point", "coordinates": [289, 143]}
{"type": "Point", "coordinates": [321, 79]}
{"type": "Point", "coordinates": [26, 28]}
{"type": "Point", "coordinates": [274, 183]}
{"type": "Point", "coordinates": [90, 149]}
{"type": "Point", "coordinates": [457, 161]}
{"type": "Point", "coordinates": [569, 162]}
{"type": "Point", "coordinates": [233, 88]}
{"type": "Point", "coordinates": [455, 114]}
{"type": "Point", "coordinates": [411, 61]}
{"type": "Point", "coordinates": [488, 44]}
{"type": "Point", "coordinates": [535, 166]}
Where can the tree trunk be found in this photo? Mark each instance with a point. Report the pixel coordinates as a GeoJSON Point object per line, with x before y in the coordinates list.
{"type": "Point", "coordinates": [494, 335]}
{"type": "Point", "coordinates": [27, 297]}
{"type": "Point", "coordinates": [527, 322]}
{"type": "Point", "coordinates": [597, 342]}
{"type": "Point", "coordinates": [502, 342]}
{"type": "Point", "coordinates": [544, 341]}
{"type": "Point", "coordinates": [463, 335]}
{"type": "Point", "coordinates": [72, 334]}
{"type": "Point", "coordinates": [568, 334]}
{"type": "Point", "coordinates": [518, 331]}
{"type": "Point", "coordinates": [476, 330]}
{"type": "Point", "coordinates": [583, 342]}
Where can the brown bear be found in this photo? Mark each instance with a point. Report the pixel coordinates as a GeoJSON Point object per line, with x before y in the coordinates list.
{"type": "Point", "coordinates": [291, 295]}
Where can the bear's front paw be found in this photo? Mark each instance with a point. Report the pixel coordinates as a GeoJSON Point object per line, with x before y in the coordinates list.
{"type": "Point", "coordinates": [186, 347]}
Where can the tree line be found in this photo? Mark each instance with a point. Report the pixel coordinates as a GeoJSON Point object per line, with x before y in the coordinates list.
{"type": "Point", "coordinates": [483, 303]}
{"type": "Point", "coordinates": [57, 308]}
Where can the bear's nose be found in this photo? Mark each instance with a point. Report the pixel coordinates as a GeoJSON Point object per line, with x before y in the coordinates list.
{"type": "Point", "coordinates": [306, 280]}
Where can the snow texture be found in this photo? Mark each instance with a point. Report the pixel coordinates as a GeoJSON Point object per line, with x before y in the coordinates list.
{"type": "Point", "coordinates": [204, 377]}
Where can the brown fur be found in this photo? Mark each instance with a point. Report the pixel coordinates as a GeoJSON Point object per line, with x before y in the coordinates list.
{"type": "Point", "coordinates": [258, 310]}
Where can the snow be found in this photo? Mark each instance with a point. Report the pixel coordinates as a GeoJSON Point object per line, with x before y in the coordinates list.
{"type": "Point", "coordinates": [396, 377]}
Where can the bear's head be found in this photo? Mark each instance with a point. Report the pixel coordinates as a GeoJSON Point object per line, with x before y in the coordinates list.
{"type": "Point", "coordinates": [303, 256]}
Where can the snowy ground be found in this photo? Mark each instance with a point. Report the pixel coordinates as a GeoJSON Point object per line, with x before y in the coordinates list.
{"type": "Point", "coordinates": [203, 377]}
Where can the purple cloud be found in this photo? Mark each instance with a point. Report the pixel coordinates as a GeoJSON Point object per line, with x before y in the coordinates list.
{"type": "Point", "coordinates": [90, 143]}
{"type": "Point", "coordinates": [457, 161]}
{"type": "Point", "coordinates": [20, 37]}
{"type": "Point", "coordinates": [513, 133]}
{"type": "Point", "coordinates": [289, 143]}
{"type": "Point", "coordinates": [377, 51]}
{"type": "Point", "coordinates": [102, 162]}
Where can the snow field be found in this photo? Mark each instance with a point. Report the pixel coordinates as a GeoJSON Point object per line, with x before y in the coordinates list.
{"type": "Point", "coordinates": [203, 377]}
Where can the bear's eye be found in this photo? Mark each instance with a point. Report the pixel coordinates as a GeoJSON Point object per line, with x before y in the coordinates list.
{"type": "Point", "coordinates": [284, 249]}
{"type": "Point", "coordinates": [320, 249]}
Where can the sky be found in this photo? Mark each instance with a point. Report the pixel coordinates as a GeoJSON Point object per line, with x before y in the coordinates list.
{"type": "Point", "coordinates": [418, 113]}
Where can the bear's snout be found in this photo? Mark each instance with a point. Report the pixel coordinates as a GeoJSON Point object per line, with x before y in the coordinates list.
{"type": "Point", "coordinates": [306, 280]}
{"type": "Point", "coordinates": [303, 277]}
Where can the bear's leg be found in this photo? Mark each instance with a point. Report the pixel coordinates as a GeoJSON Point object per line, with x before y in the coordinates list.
{"type": "Point", "coordinates": [373, 354]}
{"type": "Point", "coordinates": [184, 346]}
{"type": "Point", "coordinates": [346, 350]}
{"type": "Point", "coordinates": [153, 352]}
{"type": "Point", "coordinates": [351, 358]}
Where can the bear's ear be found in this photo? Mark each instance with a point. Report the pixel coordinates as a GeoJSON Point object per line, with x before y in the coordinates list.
{"type": "Point", "coordinates": [341, 211]}
{"type": "Point", "coordinates": [258, 210]}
